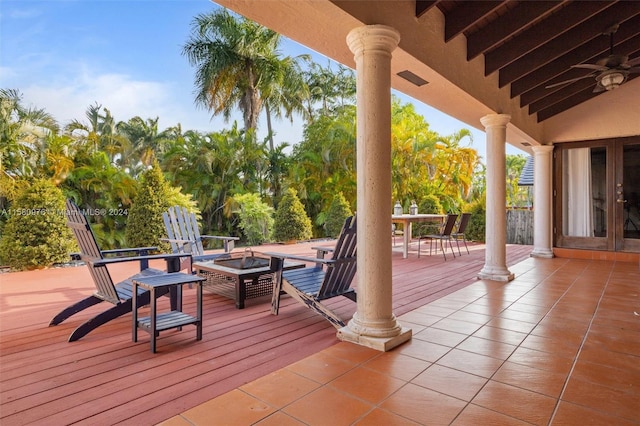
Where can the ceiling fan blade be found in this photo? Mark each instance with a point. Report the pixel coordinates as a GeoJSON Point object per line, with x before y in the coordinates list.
{"type": "Point", "coordinates": [567, 81]}
{"type": "Point", "coordinates": [635, 69]}
{"type": "Point", "coordinates": [590, 67]}
{"type": "Point", "coordinates": [633, 62]}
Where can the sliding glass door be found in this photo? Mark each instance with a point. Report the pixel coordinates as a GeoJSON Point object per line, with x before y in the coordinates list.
{"type": "Point", "coordinates": [597, 195]}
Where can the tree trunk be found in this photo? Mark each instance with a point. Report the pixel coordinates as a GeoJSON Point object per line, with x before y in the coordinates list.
{"type": "Point", "coordinates": [269, 128]}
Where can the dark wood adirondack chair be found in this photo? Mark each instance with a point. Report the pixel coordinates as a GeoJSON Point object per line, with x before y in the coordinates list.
{"type": "Point", "coordinates": [184, 237]}
{"type": "Point", "coordinates": [119, 294]}
{"type": "Point", "coordinates": [329, 277]}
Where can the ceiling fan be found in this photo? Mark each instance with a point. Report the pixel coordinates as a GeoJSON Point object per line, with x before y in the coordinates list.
{"type": "Point", "coordinates": [609, 72]}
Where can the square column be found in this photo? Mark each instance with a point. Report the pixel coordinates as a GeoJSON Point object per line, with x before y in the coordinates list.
{"type": "Point", "coordinates": [374, 324]}
{"type": "Point", "coordinates": [495, 266]}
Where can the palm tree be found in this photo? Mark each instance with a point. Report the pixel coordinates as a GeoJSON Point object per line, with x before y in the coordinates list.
{"type": "Point", "coordinates": [286, 92]}
{"type": "Point", "coordinates": [455, 165]}
{"type": "Point", "coordinates": [329, 88]}
{"type": "Point", "coordinates": [145, 141]}
{"type": "Point", "coordinates": [100, 133]}
{"type": "Point", "coordinates": [238, 64]}
{"type": "Point", "coordinates": [23, 135]}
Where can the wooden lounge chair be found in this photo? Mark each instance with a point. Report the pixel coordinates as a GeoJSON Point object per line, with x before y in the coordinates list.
{"type": "Point", "coordinates": [460, 232]}
{"type": "Point", "coordinates": [329, 278]}
{"type": "Point", "coordinates": [444, 235]}
{"type": "Point", "coordinates": [185, 238]}
{"type": "Point", "coordinates": [119, 294]}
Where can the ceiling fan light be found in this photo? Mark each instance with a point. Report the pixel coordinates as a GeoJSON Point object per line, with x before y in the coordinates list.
{"type": "Point", "coordinates": [612, 80]}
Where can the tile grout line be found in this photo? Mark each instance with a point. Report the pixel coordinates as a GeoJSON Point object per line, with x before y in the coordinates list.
{"type": "Point", "coordinates": [518, 345]}
{"type": "Point", "coordinates": [584, 339]}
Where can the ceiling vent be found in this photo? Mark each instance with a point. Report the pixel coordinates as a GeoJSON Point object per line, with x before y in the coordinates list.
{"type": "Point", "coordinates": [411, 77]}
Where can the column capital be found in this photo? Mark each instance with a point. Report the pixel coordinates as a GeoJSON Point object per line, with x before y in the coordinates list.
{"type": "Point", "coordinates": [373, 37]}
{"type": "Point", "coordinates": [493, 120]}
{"type": "Point", "coordinates": [542, 149]}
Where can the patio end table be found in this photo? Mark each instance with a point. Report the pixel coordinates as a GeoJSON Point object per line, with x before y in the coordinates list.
{"type": "Point", "coordinates": [155, 322]}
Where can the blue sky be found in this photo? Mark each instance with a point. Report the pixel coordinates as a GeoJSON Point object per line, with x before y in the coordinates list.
{"type": "Point", "coordinates": [65, 55]}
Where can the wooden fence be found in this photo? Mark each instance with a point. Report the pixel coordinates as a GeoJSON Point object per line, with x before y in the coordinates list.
{"type": "Point", "coordinates": [520, 226]}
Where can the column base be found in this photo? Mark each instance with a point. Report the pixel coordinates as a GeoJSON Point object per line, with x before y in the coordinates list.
{"type": "Point", "coordinates": [383, 344]}
{"type": "Point", "coordinates": [496, 274]}
{"type": "Point", "coordinates": [544, 253]}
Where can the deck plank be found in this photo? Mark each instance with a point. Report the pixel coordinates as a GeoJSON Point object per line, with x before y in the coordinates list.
{"type": "Point", "coordinates": [105, 378]}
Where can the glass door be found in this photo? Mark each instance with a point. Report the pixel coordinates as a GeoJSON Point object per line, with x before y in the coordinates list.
{"type": "Point", "coordinates": [597, 195]}
{"type": "Point", "coordinates": [627, 196]}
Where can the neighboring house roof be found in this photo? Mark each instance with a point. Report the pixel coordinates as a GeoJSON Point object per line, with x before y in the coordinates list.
{"type": "Point", "coordinates": [526, 176]}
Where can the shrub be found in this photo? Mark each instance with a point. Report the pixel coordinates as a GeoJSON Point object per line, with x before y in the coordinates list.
{"type": "Point", "coordinates": [291, 221]}
{"type": "Point", "coordinates": [256, 218]}
{"type": "Point", "coordinates": [145, 226]}
{"type": "Point", "coordinates": [477, 224]}
{"type": "Point", "coordinates": [430, 205]}
{"type": "Point", "coordinates": [339, 211]}
{"type": "Point", "coordinates": [36, 234]}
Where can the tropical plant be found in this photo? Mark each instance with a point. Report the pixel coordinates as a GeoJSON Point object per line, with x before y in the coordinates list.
{"type": "Point", "coordinates": [324, 163]}
{"type": "Point", "coordinates": [291, 221]}
{"type": "Point", "coordinates": [454, 169]}
{"type": "Point", "coordinates": [328, 89]}
{"type": "Point", "coordinates": [98, 185]}
{"type": "Point", "coordinates": [256, 218]}
{"type": "Point", "coordinates": [412, 154]}
{"type": "Point", "coordinates": [517, 196]}
{"type": "Point", "coordinates": [99, 134]}
{"type": "Point", "coordinates": [146, 142]}
{"type": "Point", "coordinates": [338, 212]}
{"type": "Point", "coordinates": [36, 234]}
{"type": "Point", "coordinates": [278, 169]}
{"type": "Point", "coordinates": [213, 168]}
{"type": "Point", "coordinates": [23, 135]}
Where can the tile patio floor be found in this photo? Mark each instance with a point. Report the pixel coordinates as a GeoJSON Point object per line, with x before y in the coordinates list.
{"type": "Point", "coordinates": [559, 345]}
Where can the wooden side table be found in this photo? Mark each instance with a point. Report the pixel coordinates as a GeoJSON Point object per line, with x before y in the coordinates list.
{"type": "Point", "coordinates": [155, 323]}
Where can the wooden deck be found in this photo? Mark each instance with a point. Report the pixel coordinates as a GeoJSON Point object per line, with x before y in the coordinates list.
{"type": "Point", "coordinates": [105, 378]}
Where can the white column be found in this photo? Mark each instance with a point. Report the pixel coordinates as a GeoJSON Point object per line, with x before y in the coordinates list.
{"type": "Point", "coordinates": [542, 202]}
{"type": "Point", "coordinates": [374, 324]}
{"type": "Point", "coordinates": [495, 266]}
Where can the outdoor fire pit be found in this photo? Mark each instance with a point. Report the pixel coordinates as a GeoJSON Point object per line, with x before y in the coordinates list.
{"type": "Point", "coordinates": [241, 276]}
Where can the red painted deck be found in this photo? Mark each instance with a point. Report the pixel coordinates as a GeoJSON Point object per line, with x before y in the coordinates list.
{"type": "Point", "coordinates": [105, 378]}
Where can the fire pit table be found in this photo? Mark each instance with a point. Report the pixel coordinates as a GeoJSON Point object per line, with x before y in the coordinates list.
{"type": "Point", "coordinates": [240, 277]}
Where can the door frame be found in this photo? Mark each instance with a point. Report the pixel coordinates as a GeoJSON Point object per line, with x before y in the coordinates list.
{"type": "Point", "coordinates": [622, 243]}
{"type": "Point", "coordinates": [613, 241]}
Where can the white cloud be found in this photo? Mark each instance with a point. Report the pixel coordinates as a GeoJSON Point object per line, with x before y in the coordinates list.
{"type": "Point", "coordinates": [67, 98]}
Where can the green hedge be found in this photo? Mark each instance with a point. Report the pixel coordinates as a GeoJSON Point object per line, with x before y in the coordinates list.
{"type": "Point", "coordinates": [476, 228]}
{"type": "Point", "coordinates": [291, 222]}
{"type": "Point", "coordinates": [339, 211]}
{"type": "Point", "coordinates": [36, 234]}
